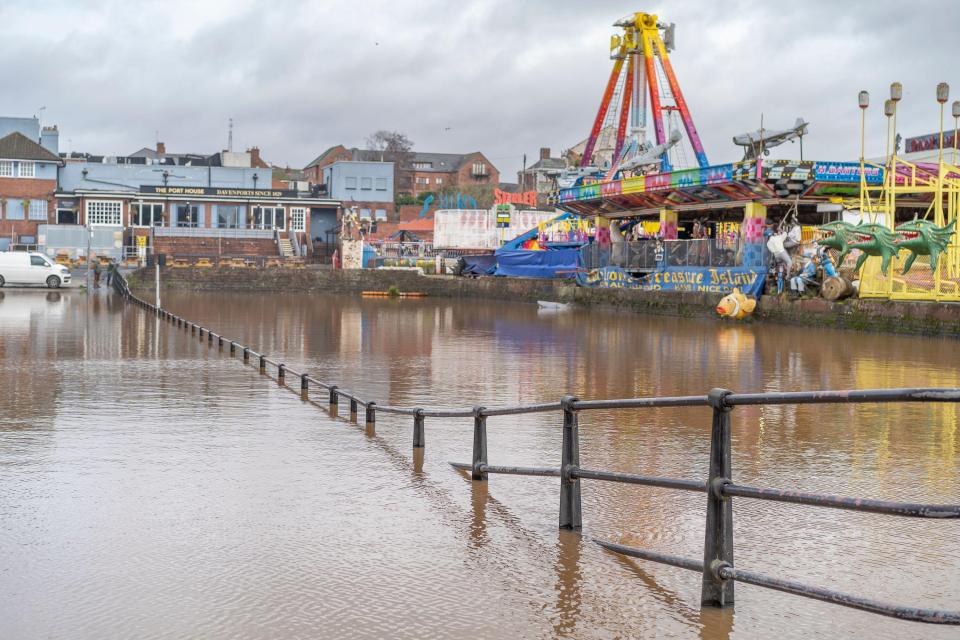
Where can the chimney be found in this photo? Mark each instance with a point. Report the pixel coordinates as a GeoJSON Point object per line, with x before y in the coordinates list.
{"type": "Point", "coordinates": [50, 139]}
{"type": "Point", "coordinates": [544, 153]}
{"type": "Point", "coordinates": [254, 156]}
{"type": "Point", "coordinates": [161, 149]}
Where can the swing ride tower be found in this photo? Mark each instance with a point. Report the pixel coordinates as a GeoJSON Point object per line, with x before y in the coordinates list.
{"type": "Point", "coordinates": [642, 75]}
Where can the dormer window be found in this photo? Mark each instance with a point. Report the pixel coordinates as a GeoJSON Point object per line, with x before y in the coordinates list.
{"type": "Point", "coordinates": [423, 165]}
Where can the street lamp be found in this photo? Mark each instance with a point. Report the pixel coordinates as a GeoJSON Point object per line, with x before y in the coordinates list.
{"type": "Point", "coordinates": [943, 94]}
{"type": "Point", "coordinates": [956, 116]}
{"type": "Point", "coordinates": [863, 99]}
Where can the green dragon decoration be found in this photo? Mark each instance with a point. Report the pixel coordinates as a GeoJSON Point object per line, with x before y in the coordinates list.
{"type": "Point", "coordinates": [920, 237]}
{"type": "Point", "coordinates": [923, 238]}
{"type": "Point", "coordinates": [874, 240]}
{"type": "Point", "coordinates": [841, 235]}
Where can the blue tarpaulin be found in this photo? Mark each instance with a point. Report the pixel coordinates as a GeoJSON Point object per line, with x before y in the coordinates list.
{"type": "Point", "coordinates": [537, 264]}
{"type": "Point", "coordinates": [483, 265]}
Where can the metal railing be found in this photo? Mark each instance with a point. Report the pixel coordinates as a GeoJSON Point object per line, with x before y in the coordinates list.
{"type": "Point", "coordinates": [212, 232]}
{"type": "Point", "coordinates": [716, 568]}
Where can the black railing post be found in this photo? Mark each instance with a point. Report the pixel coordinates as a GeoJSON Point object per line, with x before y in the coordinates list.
{"type": "Point", "coordinates": [209, 338]}
{"type": "Point", "coordinates": [263, 363]}
{"type": "Point", "coordinates": [371, 416]}
{"type": "Point", "coordinates": [281, 371]}
{"type": "Point", "coordinates": [419, 437]}
{"type": "Point", "coordinates": [353, 409]}
{"type": "Point", "coordinates": [479, 444]}
{"type": "Point", "coordinates": [233, 347]}
{"type": "Point", "coordinates": [334, 397]}
{"type": "Point", "coordinates": [304, 387]}
{"type": "Point", "coordinates": [570, 510]}
{"type": "Point", "coordinates": [220, 343]}
{"type": "Point", "coordinates": [718, 540]}
{"type": "Point", "coordinates": [201, 333]}
{"type": "Point", "coordinates": [246, 355]}
{"type": "Point", "coordinates": [193, 328]}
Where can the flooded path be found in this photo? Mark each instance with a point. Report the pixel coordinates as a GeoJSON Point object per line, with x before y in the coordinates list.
{"type": "Point", "coordinates": [151, 487]}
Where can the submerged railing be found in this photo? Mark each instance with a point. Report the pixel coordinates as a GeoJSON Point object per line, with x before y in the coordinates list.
{"type": "Point", "coordinates": [718, 573]}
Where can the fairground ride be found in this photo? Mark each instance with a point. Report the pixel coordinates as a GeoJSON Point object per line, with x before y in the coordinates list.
{"type": "Point", "coordinates": [642, 76]}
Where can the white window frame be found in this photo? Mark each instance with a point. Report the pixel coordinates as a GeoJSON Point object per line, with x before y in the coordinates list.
{"type": "Point", "coordinates": [103, 213]}
{"type": "Point", "coordinates": [273, 218]}
{"type": "Point", "coordinates": [298, 219]}
{"type": "Point", "coordinates": [23, 173]}
{"type": "Point", "coordinates": [35, 214]}
{"type": "Point", "coordinates": [479, 168]}
{"type": "Point", "coordinates": [381, 184]}
{"type": "Point", "coordinates": [153, 213]}
{"type": "Point", "coordinates": [438, 180]}
{"type": "Point", "coordinates": [366, 214]}
{"type": "Point", "coordinates": [347, 181]}
{"type": "Point", "coordinates": [380, 214]}
{"type": "Point", "coordinates": [366, 183]}
{"type": "Point", "coordinates": [6, 168]}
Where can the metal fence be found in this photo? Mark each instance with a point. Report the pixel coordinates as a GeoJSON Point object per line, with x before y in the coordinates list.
{"type": "Point", "coordinates": [647, 255]}
{"type": "Point", "coordinates": [718, 574]}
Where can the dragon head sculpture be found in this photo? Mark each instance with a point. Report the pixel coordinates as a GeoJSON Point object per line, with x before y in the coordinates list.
{"type": "Point", "coordinates": [874, 240]}
{"type": "Point", "coordinates": [923, 238]}
{"type": "Point", "coordinates": [837, 235]}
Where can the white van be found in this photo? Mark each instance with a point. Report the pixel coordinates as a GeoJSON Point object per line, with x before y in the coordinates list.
{"type": "Point", "coordinates": [22, 267]}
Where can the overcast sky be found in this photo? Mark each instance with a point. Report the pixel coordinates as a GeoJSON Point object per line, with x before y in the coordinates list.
{"type": "Point", "coordinates": [499, 76]}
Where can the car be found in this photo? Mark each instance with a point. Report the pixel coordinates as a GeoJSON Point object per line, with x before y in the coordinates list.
{"type": "Point", "coordinates": [23, 267]}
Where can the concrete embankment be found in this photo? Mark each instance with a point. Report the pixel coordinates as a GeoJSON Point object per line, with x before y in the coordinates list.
{"type": "Point", "coordinates": [860, 315]}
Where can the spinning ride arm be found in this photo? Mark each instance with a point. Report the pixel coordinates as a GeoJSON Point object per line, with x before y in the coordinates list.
{"type": "Point", "coordinates": [602, 111]}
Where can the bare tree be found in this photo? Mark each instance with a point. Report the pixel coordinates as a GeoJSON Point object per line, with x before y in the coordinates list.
{"type": "Point", "coordinates": [395, 147]}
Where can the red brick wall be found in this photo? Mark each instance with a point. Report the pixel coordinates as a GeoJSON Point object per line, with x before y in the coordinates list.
{"type": "Point", "coordinates": [26, 189]}
{"type": "Point", "coordinates": [465, 174]}
{"type": "Point", "coordinates": [176, 246]}
{"type": "Point", "coordinates": [315, 174]}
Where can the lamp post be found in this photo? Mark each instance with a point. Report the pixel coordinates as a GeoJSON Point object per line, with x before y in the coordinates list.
{"type": "Point", "coordinates": [896, 94]}
{"type": "Point", "coordinates": [956, 117]}
{"type": "Point", "coordinates": [863, 99]}
{"type": "Point", "coordinates": [943, 94]}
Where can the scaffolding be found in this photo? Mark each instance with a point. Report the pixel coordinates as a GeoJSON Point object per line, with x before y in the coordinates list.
{"type": "Point", "coordinates": [937, 184]}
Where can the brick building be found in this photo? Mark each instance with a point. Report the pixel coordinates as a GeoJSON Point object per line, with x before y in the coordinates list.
{"type": "Point", "coordinates": [417, 173]}
{"type": "Point", "coordinates": [28, 180]}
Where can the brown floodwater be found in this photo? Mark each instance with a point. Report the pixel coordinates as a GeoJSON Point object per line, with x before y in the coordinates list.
{"type": "Point", "coordinates": [151, 487]}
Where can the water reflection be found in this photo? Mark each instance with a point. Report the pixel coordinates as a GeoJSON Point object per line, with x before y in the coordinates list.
{"type": "Point", "coordinates": [126, 438]}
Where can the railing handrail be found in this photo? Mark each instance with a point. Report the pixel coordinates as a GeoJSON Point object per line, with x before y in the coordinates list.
{"type": "Point", "coordinates": [717, 570]}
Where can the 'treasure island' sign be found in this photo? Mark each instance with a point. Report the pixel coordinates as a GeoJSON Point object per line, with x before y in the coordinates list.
{"type": "Point", "coordinates": [220, 192]}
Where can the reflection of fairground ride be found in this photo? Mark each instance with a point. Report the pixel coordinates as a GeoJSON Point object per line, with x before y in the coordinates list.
{"type": "Point", "coordinates": [642, 71]}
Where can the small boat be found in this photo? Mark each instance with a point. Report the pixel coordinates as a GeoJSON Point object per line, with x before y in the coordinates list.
{"type": "Point", "coordinates": [553, 306]}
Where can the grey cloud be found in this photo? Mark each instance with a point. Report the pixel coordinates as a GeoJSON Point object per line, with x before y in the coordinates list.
{"type": "Point", "coordinates": [505, 77]}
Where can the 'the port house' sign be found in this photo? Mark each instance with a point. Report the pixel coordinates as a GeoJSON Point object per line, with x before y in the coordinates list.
{"type": "Point", "coordinates": [219, 192]}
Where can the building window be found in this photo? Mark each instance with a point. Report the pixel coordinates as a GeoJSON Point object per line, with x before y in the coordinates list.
{"type": "Point", "coordinates": [66, 216]}
{"type": "Point", "coordinates": [439, 181]}
{"type": "Point", "coordinates": [27, 169]}
{"type": "Point", "coordinates": [381, 214]}
{"type": "Point", "coordinates": [6, 169]}
{"type": "Point", "coordinates": [14, 209]}
{"type": "Point", "coordinates": [381, 184]}
{"type": "Point", "coordinates": [148, 214]}
{"type": "Point", "coordinates": [104, 212]}
{"type": "Point", "coordinates": [424, 181]}
{"type": "Point", "coordinates": [229, 216]}
{"type": "Point", "coordinates": [366, 184]}
{"type": "Point", "coordinates": [187, 215]}
{"type": "Point", "coordinates": [479, 169]}
{"type": "Point", "coordinates": [298, 216]}
{"type": "Point", "coordinates": [351, 183]}
{"type": "Point", "coordinates": [364, 214]}
{"type": "Point", "coordinates": [268, 218]}
{"type": "Point", "coordinates": [38, 210]}
{"type": "Point", "coordinates": [423, 165]}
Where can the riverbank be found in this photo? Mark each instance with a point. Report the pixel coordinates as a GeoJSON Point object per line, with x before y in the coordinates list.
{"type": "Point", "coordinates": [935, 319]}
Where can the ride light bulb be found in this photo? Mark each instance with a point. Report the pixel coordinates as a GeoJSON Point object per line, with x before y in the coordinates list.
{"type": "Point", "coordinates": [943, 92]}
{"type": "Point", "coordinates": [864, 99]}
